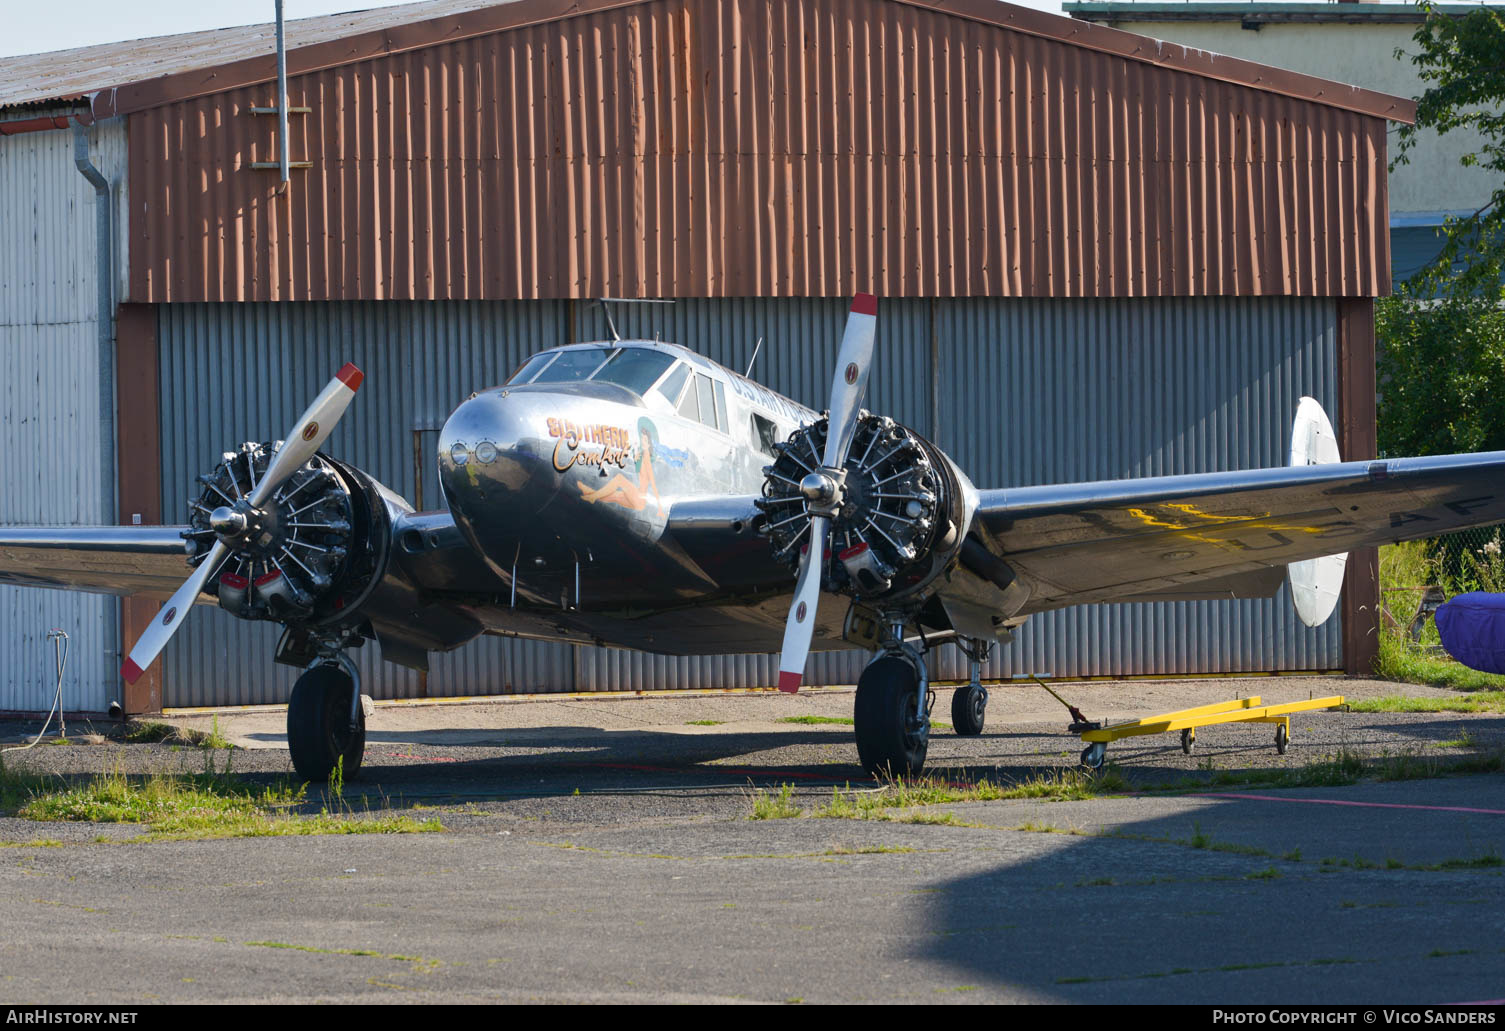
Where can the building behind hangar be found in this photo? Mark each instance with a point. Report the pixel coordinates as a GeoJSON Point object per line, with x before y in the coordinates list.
{"type": "Point", "coordinates": [1099, 257]}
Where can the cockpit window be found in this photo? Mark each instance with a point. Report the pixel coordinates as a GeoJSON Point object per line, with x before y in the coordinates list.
{"type": "Point", "coordinates": [674, 383]}
{"type": "Point", "coordinates": [636, 368]}
{"type": "Point", "coordinates": [531, 366]}
{"type": "Point", "coordinates": [575, 365]}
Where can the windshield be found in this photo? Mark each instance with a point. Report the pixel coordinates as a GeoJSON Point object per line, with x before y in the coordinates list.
{"type": "Point", "coordinates": [574, 365]}
{"type": "Point", "coordinates": [636, 368]}
{"type": "Point", "coordinates": [530, 367]}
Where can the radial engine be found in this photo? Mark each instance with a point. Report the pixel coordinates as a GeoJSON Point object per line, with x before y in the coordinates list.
{"type": "Point", "coordinates": [899, 509]}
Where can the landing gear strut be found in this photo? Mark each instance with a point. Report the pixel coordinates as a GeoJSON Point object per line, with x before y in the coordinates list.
{"type": "Point", "coordinates": [969, 705]}
{"type": "Point", "coordinates": [326, 724]}
{"type": "Point", "coordinates": [892, 714]}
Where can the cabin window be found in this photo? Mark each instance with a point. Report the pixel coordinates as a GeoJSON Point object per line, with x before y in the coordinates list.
{"type": "Point", "coordinates": [765, 434]}
{"type": "Point", "coordinates": [531, 367]}
{"type": "Point", "coordinates": [707, 399]}
{"type": "Point", "coordinates": [636, 368]}
{"type": "Point", "coordinates": [575, 365]}
{"type": "Point", "coordinates": [689, 405]}
{"type": "Point", "coordinates": [721, 420]}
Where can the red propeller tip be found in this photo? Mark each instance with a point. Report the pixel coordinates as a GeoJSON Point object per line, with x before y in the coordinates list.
{"type": "Point", "coordinates": [865, 304]}
{"type": "Point", "coordinates": [789, 682]}
{"type": "Point", "coordinates": [130, 671]}
{"type": "Point", "coordinates": [350, 376]}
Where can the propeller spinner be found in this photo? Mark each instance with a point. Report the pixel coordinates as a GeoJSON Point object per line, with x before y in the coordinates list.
{"type": "Point", "coordinates": [824, 489]}
{"type": "Point", "coordinates": [230, 524]}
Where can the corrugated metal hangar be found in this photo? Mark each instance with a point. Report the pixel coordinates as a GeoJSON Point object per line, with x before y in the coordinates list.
{"type": "Point", "coordinates": [1100, 256]}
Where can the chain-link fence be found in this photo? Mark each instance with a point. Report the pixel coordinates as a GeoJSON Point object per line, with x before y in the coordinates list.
{"type": "Point", "coordinates": [1418, 576]}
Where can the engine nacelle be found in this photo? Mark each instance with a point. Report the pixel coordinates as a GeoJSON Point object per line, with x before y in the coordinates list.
{"type": "Point", "coordinates": [309, 556]}
{"type": "Point", "coordinates": [905, 510]}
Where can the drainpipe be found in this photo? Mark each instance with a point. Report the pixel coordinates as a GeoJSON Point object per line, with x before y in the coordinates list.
{"type": "Point", "coordinates": [104, 277]}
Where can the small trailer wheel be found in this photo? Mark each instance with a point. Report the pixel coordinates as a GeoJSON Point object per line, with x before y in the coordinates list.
{"type": "Point", "coordinates": [1092, 755]}
{"type": "Point", "coordinates": [1282, 738]}
{"type": "Point", "coordinates": [1188, 741]}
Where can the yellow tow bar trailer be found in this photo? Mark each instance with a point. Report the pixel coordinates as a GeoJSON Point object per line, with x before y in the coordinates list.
{"type": "Point", "coordinates": [1239, 710]}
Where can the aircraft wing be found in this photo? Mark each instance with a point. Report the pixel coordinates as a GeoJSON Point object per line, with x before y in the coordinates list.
{"type": "Point", "coordinates": [1220, 534]}
{"type": "Point", "coordinates": [146, 560]}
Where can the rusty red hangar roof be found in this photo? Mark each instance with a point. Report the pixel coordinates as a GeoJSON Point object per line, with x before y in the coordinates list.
{"type": "Point", "coordinates": [545, 148]}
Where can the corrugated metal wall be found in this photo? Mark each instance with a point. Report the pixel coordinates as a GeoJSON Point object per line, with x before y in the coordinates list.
{"type": "Point", "coordinates": [1031, 392]}
{"type": "Point", "coordinates": [49, 405]}
{"type": "Point", "coordinates": [729, 148]}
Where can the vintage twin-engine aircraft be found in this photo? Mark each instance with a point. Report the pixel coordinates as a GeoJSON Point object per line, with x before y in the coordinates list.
{"type": "Point", "coordinates": [636, 494]}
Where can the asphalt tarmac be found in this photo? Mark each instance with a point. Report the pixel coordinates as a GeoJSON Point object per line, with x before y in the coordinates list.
{"type": "Point", "coordinates": [600, 850]}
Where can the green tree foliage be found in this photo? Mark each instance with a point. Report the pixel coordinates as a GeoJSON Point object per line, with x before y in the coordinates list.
{"type": "Point", "coordinates": [1463, 60]}
{"type": "Point", "coordinates": [1441, 375]}
{"type": "Point", "coordinates": [1442, 339]}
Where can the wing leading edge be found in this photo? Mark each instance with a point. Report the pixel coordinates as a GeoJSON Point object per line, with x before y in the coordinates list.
{"type": "Point", "coordinates": [145, 560]}
{"type": "Point", "coordinates": [1179, 536]}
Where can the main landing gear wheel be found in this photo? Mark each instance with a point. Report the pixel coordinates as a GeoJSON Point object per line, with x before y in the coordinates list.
{"type": "Point", "coordinates": [969, 708]}
{"type": "Point", "coordinates": [318, 725]}
{"type": "Point", "coordinates": [1092, 755]}
{"type": "Point", "coordinates": [1282, 738]}
{"type": "Point", "coordinates": [889, 739]}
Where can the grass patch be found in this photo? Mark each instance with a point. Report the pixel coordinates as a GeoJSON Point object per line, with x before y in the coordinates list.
{"type": "Point", "coordinates": [867, 850]}
{"type": "Point", "coordinates": [151, 732]}
{"type": "Point", "coordinates": [704, 723]}
{"type": "Point", "coordinates": [781, 806]}
{"type": "Point", "coordinates": [190, 806]}
{"type": "Point", "coordinates": [1463, 740]}
{"type": "Point", "coordinates": [818, 721]}
{"type": "Point", "coordinates": [1063, 785]}
{"type": "Point", "coordinates": [1475, 701]}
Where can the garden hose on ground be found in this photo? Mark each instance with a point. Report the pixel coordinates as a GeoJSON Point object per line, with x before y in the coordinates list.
{"type": "Point", "coordinates": [60, 642]}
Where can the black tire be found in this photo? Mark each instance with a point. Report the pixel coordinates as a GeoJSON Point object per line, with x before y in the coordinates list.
{"type": "Point", "coordinates": [1282, 739]}
{"type": "Point", "coordinates": [318, 725]}
{"type": "Point", "coordinates": [969, 709]}
{"type": "Point", "coordinates": [1188, 743]}
{"type": "Point", "coordinates": [886, 699]}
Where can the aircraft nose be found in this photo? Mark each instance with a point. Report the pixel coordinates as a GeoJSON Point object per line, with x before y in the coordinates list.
{"type": "Point", "coordinates": [493, 459]}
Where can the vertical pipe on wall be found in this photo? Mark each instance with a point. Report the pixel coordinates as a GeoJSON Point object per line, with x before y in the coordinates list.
{"type": "Point", "coordinates": [282, 161]}
{"type": "Point", "coordinates": [104, 266]}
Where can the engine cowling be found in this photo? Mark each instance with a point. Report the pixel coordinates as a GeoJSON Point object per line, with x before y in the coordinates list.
{"type": "Point", "coordinates": [903, 513]}
{"type": "Point", "coordinates": [309, 555]}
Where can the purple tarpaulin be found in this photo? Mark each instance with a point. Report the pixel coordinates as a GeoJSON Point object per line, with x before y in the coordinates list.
{"type": "Point", "coordinates": [1472, 627]}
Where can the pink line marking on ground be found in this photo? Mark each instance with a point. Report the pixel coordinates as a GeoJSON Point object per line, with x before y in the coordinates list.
{"type": "Point", "coordinates": [1361, 805]}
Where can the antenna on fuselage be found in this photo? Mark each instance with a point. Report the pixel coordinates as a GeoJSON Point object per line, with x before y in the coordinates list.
{"type": "Point", "coordinates": [604, 301]}
{"type": "Point", "coordinates": [610, 324]}
{"type": "Point", "coordinates": [756, 348]}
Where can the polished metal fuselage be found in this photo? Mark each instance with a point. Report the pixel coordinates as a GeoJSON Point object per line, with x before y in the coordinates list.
{"type": "Point", "coordinates": [563, 491]}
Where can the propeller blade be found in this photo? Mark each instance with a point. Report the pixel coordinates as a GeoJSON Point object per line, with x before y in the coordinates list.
{"type": "Point", "coordinates": [173, 615]}
{"type": "Point", "coordinates": [849, 385]}
{"type": "Point", "coordinates": [310, 431]}
{"type": "Point", "coordinates": [801, 625]}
